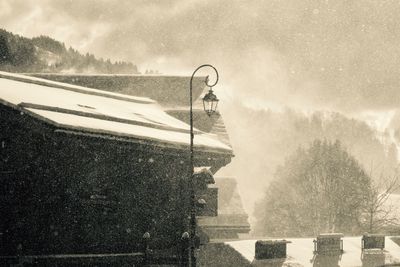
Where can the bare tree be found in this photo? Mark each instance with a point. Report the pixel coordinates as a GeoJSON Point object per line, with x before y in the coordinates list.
{"type": "Point", "coordinates": [378, 212]}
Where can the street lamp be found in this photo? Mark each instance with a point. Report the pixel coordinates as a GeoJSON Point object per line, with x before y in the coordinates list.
{"type": "Point", "coordinates": [210, 102]}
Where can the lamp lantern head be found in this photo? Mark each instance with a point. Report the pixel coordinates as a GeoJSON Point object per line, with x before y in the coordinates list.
{"type": "Point", "coordinates": [210, 102]}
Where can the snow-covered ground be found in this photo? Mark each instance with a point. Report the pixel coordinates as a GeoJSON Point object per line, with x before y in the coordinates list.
{"type": "Point", "coordinates": [300, 252]}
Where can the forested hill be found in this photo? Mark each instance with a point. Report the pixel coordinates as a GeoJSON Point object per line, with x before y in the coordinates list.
{"type": "Point", "coordinates": [262, 139]}
{"type": "Point", "coordinates": [44, 54]}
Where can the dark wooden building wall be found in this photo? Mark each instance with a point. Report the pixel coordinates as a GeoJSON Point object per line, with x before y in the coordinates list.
{"type": "Point", "coordinates": [63, 193]}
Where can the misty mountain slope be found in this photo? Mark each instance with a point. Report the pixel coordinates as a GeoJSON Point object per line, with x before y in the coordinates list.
{"type": "Point", "coordinates": [262, 139]}
{"type": "Point", "coordinates": [44, 54]}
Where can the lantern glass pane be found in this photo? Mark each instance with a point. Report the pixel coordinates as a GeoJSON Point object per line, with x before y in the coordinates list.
{"type": "Point", "coordinates": [210, 105]}
{"type": "Point", "coordinates": [216, 104]}
{"type": "Point", "coordinates": [205, 105]}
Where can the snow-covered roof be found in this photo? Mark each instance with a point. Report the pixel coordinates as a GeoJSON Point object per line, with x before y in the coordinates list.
{"type": "Point", "coordinates": [96, 111]}
{"type": "Point", "coordinates": [168, 91]}
{"type": "Point", "coordinates": [171, 92]}
{"type": "Point", "coordinates": [300, 252]}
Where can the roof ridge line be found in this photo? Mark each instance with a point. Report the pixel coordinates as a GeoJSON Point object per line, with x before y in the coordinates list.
{"type": "Point", "coordinates": [103, 117]}
{"type": "Point", "coordinates": [75, 88]}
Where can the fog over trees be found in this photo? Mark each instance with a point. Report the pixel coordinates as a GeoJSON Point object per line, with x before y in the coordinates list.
{"type": "Point", "coordinates": [318, 189]}
{"type": "Point", "coordinates": [278, 134]}
{"type": "Point", "coordinates": [44, 54]}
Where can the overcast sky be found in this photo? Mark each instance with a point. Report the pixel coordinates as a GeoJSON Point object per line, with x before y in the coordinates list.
{"type": "Point", "coordinates": [340, 55]}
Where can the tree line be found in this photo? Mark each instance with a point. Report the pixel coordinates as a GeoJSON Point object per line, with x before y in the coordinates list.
{"type": "Point", "coordinates": [323, 189]}
{"type": "Point", "coordinates": [44, 54]}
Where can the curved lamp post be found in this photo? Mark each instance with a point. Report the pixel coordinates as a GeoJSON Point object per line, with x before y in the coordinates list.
{"type": "Point", "coordinates": [210, 102]}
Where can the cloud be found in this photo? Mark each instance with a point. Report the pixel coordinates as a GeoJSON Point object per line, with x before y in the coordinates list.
{"type": "Point", "coordinates": [310, 54]}
{"type": "Point", "coordinates": [336, 54]}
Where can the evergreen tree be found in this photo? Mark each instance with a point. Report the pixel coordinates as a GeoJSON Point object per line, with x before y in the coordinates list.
{"type": "Point", "coordinates": [44, 54]}
{"type": "Point", "coordinates": [5, 56]}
